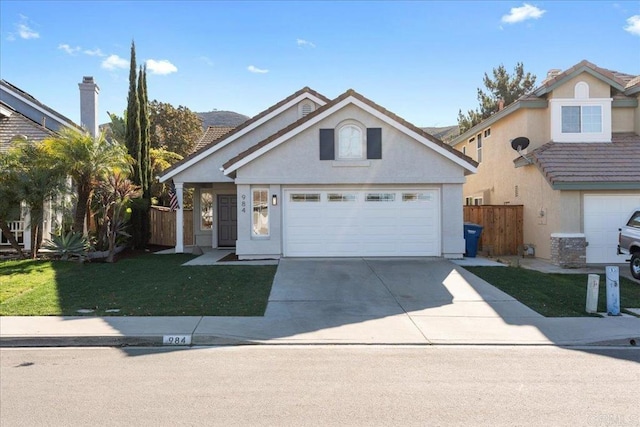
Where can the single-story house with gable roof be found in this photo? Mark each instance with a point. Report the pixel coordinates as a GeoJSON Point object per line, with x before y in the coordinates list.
{"type": "Point", "coordinates": [315, 177]}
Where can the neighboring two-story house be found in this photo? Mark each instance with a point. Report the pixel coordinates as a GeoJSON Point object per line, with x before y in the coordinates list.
{"type": "Point", "coordinates": [569, 152]}
{"type": "Point", "coordinates": [313, 176]}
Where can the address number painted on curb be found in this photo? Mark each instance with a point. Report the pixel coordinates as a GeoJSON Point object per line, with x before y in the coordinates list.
{"type": "Point", "coordinates": [176, 340]}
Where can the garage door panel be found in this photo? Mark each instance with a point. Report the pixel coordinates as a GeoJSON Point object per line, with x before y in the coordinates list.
{"type": "Point", "coordinates": [603, 215]}
{"type": "Point", "coordinates": [362, 228]}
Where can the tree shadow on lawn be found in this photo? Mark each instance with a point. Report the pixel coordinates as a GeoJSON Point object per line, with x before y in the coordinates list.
{"type": "Point", "coordinates": [158, 285]}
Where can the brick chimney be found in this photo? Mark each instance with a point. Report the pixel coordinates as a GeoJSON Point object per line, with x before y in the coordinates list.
{"type": "Point", "coordinates": [500, 104]}
{"type": "Point", "coordinates": [89, 105]}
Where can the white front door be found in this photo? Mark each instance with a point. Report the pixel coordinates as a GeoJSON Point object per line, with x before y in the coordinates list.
{"type": "Point", "coordinates": [604, 214]}
{"type": "Point", "coordinates": [378, 222]}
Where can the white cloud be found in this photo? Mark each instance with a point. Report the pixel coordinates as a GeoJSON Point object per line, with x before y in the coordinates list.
{"type": "Point", "coordinates": [304, 43]}
{"type": "Point", "coordinates": [68, 49]}
{"type": "Point", "coordinates": [519, 14]}
{"type": "Point", "coordinates": [23, 30]}
{"type": "Point", "coordinates": [94, 52]}
{"type": "Point", "coordinates": [633, 25]}
{"type": "Point", "coordinates": [161, 67]}
{"type": "Point", "coordinates": [113, 62]}
{"type": "Point", "coordinates": [257, 70]}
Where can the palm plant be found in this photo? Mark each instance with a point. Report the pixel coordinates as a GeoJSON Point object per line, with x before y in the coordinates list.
{"type": "Point", "coordinates": [35, 177]}
{"type": "Point", "coordinates": [86, 160]}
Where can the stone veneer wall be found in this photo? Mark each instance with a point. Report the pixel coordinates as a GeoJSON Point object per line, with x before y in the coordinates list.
{"type": "Point", "coordinates": [569, 250]}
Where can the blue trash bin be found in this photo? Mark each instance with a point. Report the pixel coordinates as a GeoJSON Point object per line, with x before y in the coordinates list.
{"type": "Point", "coordinates": [472, 234]}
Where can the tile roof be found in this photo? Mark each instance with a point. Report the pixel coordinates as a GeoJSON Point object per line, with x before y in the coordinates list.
{"type": "Point", "coordinates": [17, 124]}
{"type": "Point", "coordinates": [246, 124]}
{"type": "Point", "coordinates": [327, 106]}
{"type": "Point", "coordinates": [211, 135]}
{"type": "Point", "coordinates": [624, 80]}
{"type": "Point", "coordinates": [581, 165]}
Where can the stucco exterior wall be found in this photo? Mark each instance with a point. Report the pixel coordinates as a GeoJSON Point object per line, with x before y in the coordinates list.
{"type": "Point", "coordinates": [404, 160]}
{"type": "Point", "coordinates": [622, 119]}
{"type": "Point", "coordinates": [597, 88]}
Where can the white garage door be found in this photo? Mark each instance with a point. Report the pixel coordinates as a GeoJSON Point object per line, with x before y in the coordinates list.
{"type": "Point", "coordinates": [603, 215]}
{"type": "Point", "coordinates": [362, 223]}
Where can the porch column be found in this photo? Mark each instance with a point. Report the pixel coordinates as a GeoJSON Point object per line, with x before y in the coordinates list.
{"type": "Point", "coordinates": [179, 218]}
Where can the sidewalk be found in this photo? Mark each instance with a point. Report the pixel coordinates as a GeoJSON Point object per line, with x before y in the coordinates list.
{"type": "Point", "coordinates": [477, 314]}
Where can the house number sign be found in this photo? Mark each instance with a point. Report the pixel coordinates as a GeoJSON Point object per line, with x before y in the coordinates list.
{"type": "Point", "coordinates": [176, 340]}
{"type": "Point", "coordinates": [243, 204]}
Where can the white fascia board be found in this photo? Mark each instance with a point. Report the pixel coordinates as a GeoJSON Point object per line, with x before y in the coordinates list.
{"type": "Point", "coordinates": [243, 132]}
{"type": "Point", "coordinates": [416, 136]}
{"type": "Point", "coordinates": [4, 111]}
{"type": "Point", "coordinates": [55, 117]}
{"type": "Point", "coordinates": [287, 136]}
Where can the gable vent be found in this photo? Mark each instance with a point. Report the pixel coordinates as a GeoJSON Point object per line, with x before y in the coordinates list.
{"type": "Point", "coordinates": [306, 108]}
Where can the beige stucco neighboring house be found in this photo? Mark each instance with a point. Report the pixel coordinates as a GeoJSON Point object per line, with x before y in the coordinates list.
{"type": "Point", "coordinates": [313, 176]}
{"type": "Point", "coordinates": [579, 176]}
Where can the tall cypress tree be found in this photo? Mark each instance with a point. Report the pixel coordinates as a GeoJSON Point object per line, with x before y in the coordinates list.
{"type": "Point", "coordinates": [145, 159]}
{"type": "Point", "coordinates": [132, 141]}
{"type": "Point", "coordinates": [132, 135]}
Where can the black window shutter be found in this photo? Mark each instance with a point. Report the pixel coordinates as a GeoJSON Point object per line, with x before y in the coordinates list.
{"type": "Point", "coordinates": [374, 143]}
{"type": "Point", "coordinates": [327, 144]}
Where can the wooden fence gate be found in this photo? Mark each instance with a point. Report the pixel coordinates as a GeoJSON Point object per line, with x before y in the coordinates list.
{"type": "Point", "coordinates": [163, 226]}
{"type": "Point", "coordinates": [502, 232]}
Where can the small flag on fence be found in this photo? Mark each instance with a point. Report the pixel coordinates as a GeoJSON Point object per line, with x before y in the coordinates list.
{"type": "Point", "coordinates": [173, 197]}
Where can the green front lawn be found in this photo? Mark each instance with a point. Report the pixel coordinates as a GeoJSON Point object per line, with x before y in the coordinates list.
{"type": "Point", "coordinates": [148, 285]}
{"type": "Point", "coordinates": [554, 295]}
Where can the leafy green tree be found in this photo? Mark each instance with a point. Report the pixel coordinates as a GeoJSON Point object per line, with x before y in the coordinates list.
{"type": "Point", "coordinates": [35, 177]}
{"type": "Point", "coordinates": [9, 202]}
{"type": "Point", "coordinates": [175, 129]}
{"type": "Point", "coordinates": [86, 160]}
{"type": "Point", "coordinates": [503, 87]}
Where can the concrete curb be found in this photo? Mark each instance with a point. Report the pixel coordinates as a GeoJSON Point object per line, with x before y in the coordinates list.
{"type": "Point", "coordinates": [216, 340]}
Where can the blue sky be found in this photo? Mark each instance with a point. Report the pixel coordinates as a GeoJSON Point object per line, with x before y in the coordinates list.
{"type": "Point", "coordinates": [421, 60]}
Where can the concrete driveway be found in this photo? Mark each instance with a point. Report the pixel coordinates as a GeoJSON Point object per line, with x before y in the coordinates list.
{"type": "Point", "coordinates": [384, 300]}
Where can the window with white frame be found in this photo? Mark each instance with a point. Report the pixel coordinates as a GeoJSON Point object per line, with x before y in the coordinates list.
{"type": "Point", "coordinates": [351, 142]}
{"type": "Point", "coordinates": [206, 210]}
{"type": "Point", "coordinates": [260, 212]}
{"type": "Point", "coordinates": [581, 118]}
{"type": "Point", "coordinates": [479, 158]}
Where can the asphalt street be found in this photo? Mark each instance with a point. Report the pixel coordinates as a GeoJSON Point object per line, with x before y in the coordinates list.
{"type": "Point", "coordinates": [320, 385]}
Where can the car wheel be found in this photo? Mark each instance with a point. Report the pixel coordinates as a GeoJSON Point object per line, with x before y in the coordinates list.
{"type": "Point", "coordinates": [635, 265]}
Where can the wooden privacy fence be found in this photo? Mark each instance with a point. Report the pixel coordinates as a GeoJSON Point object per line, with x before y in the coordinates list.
{"type": "Point", "coordinates": [502, 232]}
{"type": "Point", "coordinates": [163, 226]}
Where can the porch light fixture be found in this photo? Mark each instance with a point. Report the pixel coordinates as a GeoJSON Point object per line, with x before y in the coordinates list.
{"type": "Point", "coordinates": [274, 200]}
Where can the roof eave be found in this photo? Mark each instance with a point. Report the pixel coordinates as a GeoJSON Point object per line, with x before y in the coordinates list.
{"type": "Point", "coordinates": [512, 108]}
{"type": "Point", "coordinates": [614, 185]}
{"type": "Point", "coordinates": [562, 79]}
{"type": "Point", "coordinates": [223, 141]}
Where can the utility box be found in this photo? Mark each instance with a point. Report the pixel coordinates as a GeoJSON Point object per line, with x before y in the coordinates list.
{"type": "Point", "coordinates": [593, 287]}
{"type": "Point", "coordinates": [472, 234]}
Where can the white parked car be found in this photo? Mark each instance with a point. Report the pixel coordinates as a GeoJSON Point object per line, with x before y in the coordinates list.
{"type": "Point", "coordinates": [629, 242]}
